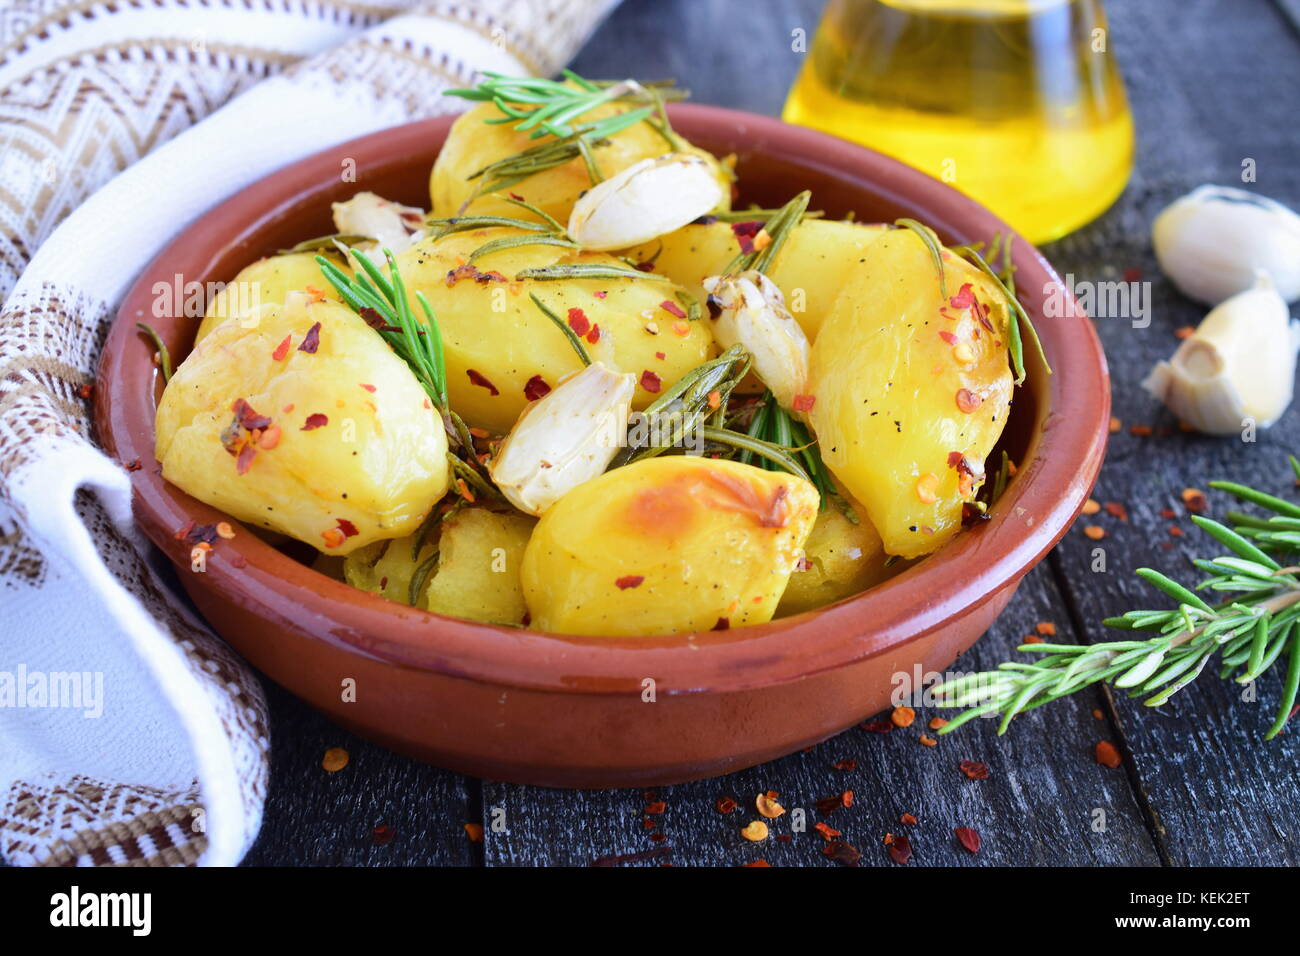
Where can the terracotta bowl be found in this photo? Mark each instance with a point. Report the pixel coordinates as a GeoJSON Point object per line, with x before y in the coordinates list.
{"type": "Point", "coordinates": [567, 711]}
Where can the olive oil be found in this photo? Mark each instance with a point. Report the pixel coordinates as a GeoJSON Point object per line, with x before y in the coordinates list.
{"type": "Point", "coordinates": [1017, 103]}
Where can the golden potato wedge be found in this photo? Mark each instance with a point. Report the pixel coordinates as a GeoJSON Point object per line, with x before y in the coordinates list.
{"type": "Point", "coordinates": [304, 421]}
{"type": "Point", "coordinates": [474, 144]}
{"type": "Point", "coordinates": [480, 555]}
{"type": "Point", "coordinates": [502, 351]}
{"type": "Point", "coordinates": [841, 559]}
{"type": "Point", "coordinates": [667, 545]}
{"type": "Point", "coordinates": [265, 282]}
{"type": "Point", "coordinates": [810, 268]}
{"type": "Point", "coordinates": [912, 389]}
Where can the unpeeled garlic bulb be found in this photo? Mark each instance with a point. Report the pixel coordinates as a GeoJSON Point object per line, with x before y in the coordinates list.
{"type": "Point", "coordinates": [1238, 366]}
{"type": "Point", "coordinates": [749, 310]}
{"type": "Point", "coordinates": [644, 201]}
{"type": "Point", "coordinates": [565, 438]}
{"type": "Point", "coordinates": [1213, 241]}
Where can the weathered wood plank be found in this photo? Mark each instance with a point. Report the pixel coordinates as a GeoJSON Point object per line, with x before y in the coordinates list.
{"type": "Point", "coordinates": [1216, 793]}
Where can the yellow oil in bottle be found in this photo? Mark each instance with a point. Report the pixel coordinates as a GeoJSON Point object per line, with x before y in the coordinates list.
{"type": "Point", "coordinates": [1017, 103]}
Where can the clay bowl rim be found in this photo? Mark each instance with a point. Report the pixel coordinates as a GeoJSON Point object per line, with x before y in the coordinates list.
{"type": "Point", "coordinates": [1037, 508]}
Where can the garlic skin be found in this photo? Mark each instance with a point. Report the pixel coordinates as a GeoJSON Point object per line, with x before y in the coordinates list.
{"type": "Point", "coordinates": [753, 315]}
{"type": "Point", "coordinates": [1211, 243]}
{"type": "Point", "coordinates": [393, 226]}
{"type": "Point", "coordinates": [1239, 364]}
{"type": "Point", "coordinates": [645, 200]}
{"type": "Point", "coordinates": [565, 438]}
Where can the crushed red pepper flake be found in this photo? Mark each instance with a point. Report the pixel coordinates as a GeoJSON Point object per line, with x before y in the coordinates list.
{"type": "Point", "coordinates": [759, 862]}
{"type": "Point", "coordinates": [1115, 425]}
{"type": "Point", "coordinates": [594, 335]}
{"type": "Point", "coordinates": [282, 349]}
{"type": "Point", "coordinates": [974, 769]}
{"type": "Point", "coordinates": [755, 832]}
{"type": "Point", "coordinates": [629, 581]}
{"type": "Point", "coordinates": [1091, 507]}
{"type": "Point", "coordinates": [900, 851]}
{"type": "Point", "coordinates": [964, 298]}
{"type": "Point", "coordinates": [827, 831]}
{"type": "Point", "coordinates": [723, 624]}
{"type": "Point", "coordinates": [1031, 639]}
{"type": "Point", "coordinates": [475, 832]}
{"type": "Point", "coordinates": [767, 806]}
{"type": "Point", "coordinates": [902, 716]}
{"type": "Point", "coordinates": [311, 341]}
{"type": "Point", "coordinates": [968, 401]}
{"type": "Point", "coordinates": [1107, 754]}
{"type": "Point", "coordinates": [334, 760]}
{"type": "Point", "coordinates": [878, 726]}
{"type": "Point", "coordinates": [600, 294]}
{"type": "Point", "coordinates": [842, 853]}
{"type": "Point", "coordinates": [927, 741]}
{"type": "Point", "coordinates": [650, 381]}
{"type": "Point", "coordinates": [937, 723]}
{"type": "Point", "coordinates": [1141, 431]}
{"type": "Point", "coordinates": [84, 392]}
{"type": "Point", "coordinates": [725, 805]}
{"type": "Point", "coordinates": [382, 835]}
{"type": "Point", "coordinates": [655, 807]}
{"type": "Point", "coordinates": [133, 465]}
{"type": "Point", "coordinates": [536, 388]}
{"type": "Point", "coordinates": [672, 308]}
{"type": "Point", "coordinates": [907, 820]}
{"type": "Point", "coordinates": [579, 322]}
{"type": "Point", "coordinates": [315, 420]}
{"type": "Point", "coordinates": [478, 378]}
{"type": "Point", "coordinates": [367, 386]}
{"type": "Point", "coordinates": [745, 233]}
{"type": "Point", "coordinates": [804, 403]}
{"type": "Point", "coordinates": [1094, 532]}
{"type": "Point", "coordinates": [1116, 510]}
{"type": "Point", "coordinates": [470, 271]}
{"type": "Point", "coordinates": [969, 838]}
{"type": "Point", "coordinates": [1194, 500]}
{"type": "Point", "coordinates": [244, 459]}
{"type": "Point", "coordinates": [1046, 628]}
{"type": "Point", "coordinates": [948, 337]}
{"type": "Point", "coordinates": [845, 765]}
{"type": "Point", "coordinates": [1186, 332]}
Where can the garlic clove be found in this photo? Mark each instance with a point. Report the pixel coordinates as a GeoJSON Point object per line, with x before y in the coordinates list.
{"type": "Point", "coordinates": [1211, 243]}
{"type": "Point", "coordinates": [647, 199]}
{"type": "Point", "coordinates": [1238, 365]}
{"type": "Point", "coordinates": [749, 310]}
{"type": "Point", "coordinates": [393, 226]}
{"type": "Point", "coordinates": [565, 438]}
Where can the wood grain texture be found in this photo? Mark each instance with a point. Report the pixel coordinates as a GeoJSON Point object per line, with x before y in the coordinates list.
{"type": "Point", "coordinates": [1213, 82]}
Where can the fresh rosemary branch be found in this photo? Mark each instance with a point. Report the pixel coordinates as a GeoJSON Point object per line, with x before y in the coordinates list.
{"type": "Point", "coordinates": [1256, 621]}
{"type": "Point", "coordinates": [160, 347]}
{"type": "Point", "coordinates": [773, 424]}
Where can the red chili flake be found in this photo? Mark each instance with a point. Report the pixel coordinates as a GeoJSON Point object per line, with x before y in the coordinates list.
{"type": "Point", "coordinates": [470, 271]}
{"type": "Point", "coordinates": [248, 418]}
{"type": "Point", "coordinates": [982, 313]}
{"type": "Point", "coordinates": [629, 581]}
{"type": "Point", "coordinates": [845, 765]}
{"type": "Point", "coordinates": [594, 335]}
{"type": "Point", "coordinates": [579, 322]}
{"type": "Point", "coordinates": [846, 798]}
{"type": "Point", "coordinates": [655, 807]}
{"type": "Point", "coordinates": [964, 298]}
{"type": "Point", "coordinates": [1116, 510]}
{"type": "Point", "coordinates": [282, 349]}
{"type": "Point", "coordinates": [648, 824]}
{"type": "Point", "coordinates": [348, 528]}
{"type": "Point", "coordinates": [314, 421]}
{"type": "Point", "coordinates": [804, 403]}
{"type": "Point", "coordinates": [180, 533]}
{"type": "Point", "coordinates": [974, 769]}
{"type": "Point", "coordinates": [827, 831]}
{"type": "Point", "coordinates": [725, 805]}
{"type": "Point", "coordinates": [477, 378]}
{"type": "Point", "coordinates": [650, 381]}
{"type": "Point", "coordinates": [645, 267]}
{"type": "Point", "coordinates": [842, 853]}
{"type": "Point", "coordinates": [1107, 754]}
{"type": "Point", "coordinates": [84, 392]}
{"type": "Point", "coordinates": [133, 465]}
{"type": "Point", "coordinates": [1194, 500]}
{"type": "Point", "coordinates": [311, 341]}
{"type": "Point", "coordinates": [600, 294]}
{"type": "Point", "coordinates": [375, 320]}
{"type": "Point", "coordinates": [724, 624]}
{"type": "Point", "coordinates": [879, 726]}
{"type": "Point", "coordinates": [745, 233]}
{"type": "Point", "coordinates": [368, 388]}
{"type": "Point", "coordinates": [201, 534]}
{"type": "Point", "coordinates": [536, 388]}
{"type": "Point", "coordinates": [516, 197]}
{"type": "Point", "coordinates": [968, 401]}
{"type": "Point", "coordinates": [948, 337]}
{"type": "Point", "coordinates": [382, 835]}
{"type": "Point", "coordinates": [907, 820]}
{"type": "Point", "coordinates": [661, 356]}
{"type": "Point", "coordinates": [1167, 513]}
{"type": "Point", "coordinates": [900, 851]}
{"type": "Point", "coordinates": [672, 308]}
{"type": "Point", "coordinates": [658, 837]}
{"type": "Point", "coordinates": [244, 460]}
{"type": "Point", "coordinates": [828, 805]}
{"type": "Point", "coordinates": [969, 838]}
{"type": "Point", "coordinates": [1132, 274]}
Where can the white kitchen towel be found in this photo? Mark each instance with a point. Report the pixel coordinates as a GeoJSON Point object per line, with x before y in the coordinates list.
{"type": "Point", "coordinates": [129, 734]}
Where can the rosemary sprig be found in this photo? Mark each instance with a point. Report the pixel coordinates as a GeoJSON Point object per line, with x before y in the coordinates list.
{"type": "Point", "coordinates": [160, 347]}
{"type": "Point", "coordinates": [773, 424]}
{"type": "Point", "coordinates": [563, 326]}
{"type": "Point", "coordinates": [778, 229]}
{"type": "Point", "coordinates": [583, 270]}
{"type": "Point", "coordinates": [1255, 623]}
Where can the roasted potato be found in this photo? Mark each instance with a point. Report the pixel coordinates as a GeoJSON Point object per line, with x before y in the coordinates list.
{"type": "Point", "coordinates": [502, 351]}
{"type": "Point", "coordinates": [667, 545]}
{"type": "Point", "coordinates": [469, 567]}
{"type": "Point", "coordinates": [840, 558]}
{"type": "Point", "coordinates": [474, 144]}
{"type": "Point", "coordinates": [265, 282]}
{"type": "Point", "coordinates": [304, 421]}
{"type": "Point", "coordinates": [480, 555]}
{"type": "Point", "coordinates": [912, 389]}
{"type": "Point", "coordinates": [810, 268]}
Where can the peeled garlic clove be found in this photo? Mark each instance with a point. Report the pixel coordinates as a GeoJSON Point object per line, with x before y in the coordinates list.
{"type": "Point", "coordinates": [1213, 241]}
{"type": "Point", "coordinates": [565, 438]}
{"type": "Point", "coordinates": [1238, 365]}
{"type": "Point", "coordinates": [750, 311]}
{"type": "Point", "coordinates": [392, 225]}
{"type": "Point", "coordinates": [645, 200]}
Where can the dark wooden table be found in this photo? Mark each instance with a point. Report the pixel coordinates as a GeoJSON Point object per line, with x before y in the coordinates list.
{"type": "Point", "coordinates": [1212, 82]}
